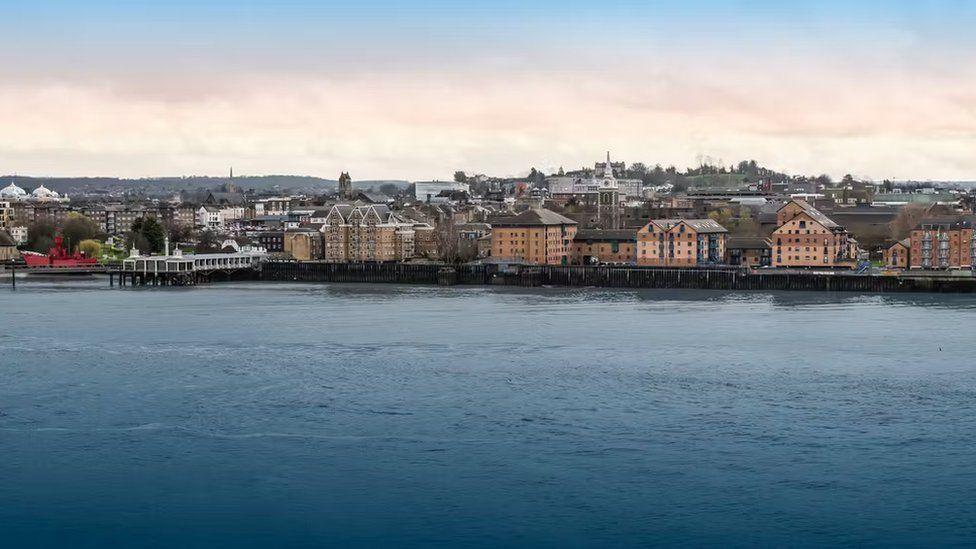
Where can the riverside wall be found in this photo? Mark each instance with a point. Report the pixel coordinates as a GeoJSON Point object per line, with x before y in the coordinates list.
{"type": "Point", "coordinates": [609, 277]}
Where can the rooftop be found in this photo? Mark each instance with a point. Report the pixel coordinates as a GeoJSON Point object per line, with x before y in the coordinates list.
{"type": "Point", "coordinates": [699, 225]}
{"type": "Point", "coordinates": [749, 243]}
{"type": "Point", "coordinates": [606, 234]}
{"type": "Point", "coordinates": [532, 218]}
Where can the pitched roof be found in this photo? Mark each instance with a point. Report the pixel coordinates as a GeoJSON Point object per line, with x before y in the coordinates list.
{"type": "Point", "coordinates": [748, 243]}
{"type": "Point", "coordinates": [953, 221]}
{"type": "Point", "coordinates": [532, 218]}
{"type": "Point", "coordinates": [6, 239]}
{"type": "Point", "coordinates": [375, 198]}
{"type": "Point", "coordinates": [606, 234]}
{"type": "Point", "coordinates": [226, 198]}
{"type": "Point", "coordinates": [814, 213]}
{"type": "Point", "coordinates": [699, 225]}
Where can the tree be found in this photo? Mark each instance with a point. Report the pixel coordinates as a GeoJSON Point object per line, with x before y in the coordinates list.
{"type": "Point", "coordinates": [908, 217]}
{"type": "Point", "coordinates": [78, 228]}
{"type": "Point", "coordinates": [389, 189]}
{"type": "Point", "coordinates": [207, 242]}
{"type": "Point", "coordinates": [447, 240]}
{"type": "Point", "coordinates": [179, 232]}
{"type": "Point", "coordinates": [146, 235]}
{"type": "Point", "coordinates": [91, 248]}
{"type": "Point", "coordinates": [722, 217]}
{"type": "Point", "coordinates": [138, 241]}
{"type": "Point", "coordinates": [153, 231]}
{"type": "Point", "coordinates": [460, 177]}
{"type": "Point", "coordinates": [40, 236]}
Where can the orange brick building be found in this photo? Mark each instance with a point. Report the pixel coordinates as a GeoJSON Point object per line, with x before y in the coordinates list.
{"type": "Point", "coordinates": [749, 251]}
{"type": "Point", "coordinates": [805, 237]}
{"type": "Point", "coordinates": [535, 236]}
{"type": "Point", "coordinates": [681, 243]}
{"type": "Point", "coordinates": [943, 243]}
{"type": "Point", "coordinates": [591, 246]}
{"type": "Point", "coordinates": [897, 255]}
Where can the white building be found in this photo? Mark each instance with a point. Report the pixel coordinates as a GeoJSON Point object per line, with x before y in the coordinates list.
{"type": "Point", "coordinates": [19, 234]}
{"type": "Point", "coordinates": [427, 191]}
{"type": "Point", "coordinates": [12, 192]}
{"type": "Point", "coordinates": [218, 216]}
{"type": "Point", "coordinates": [208, 216]}
{"type": "Point", "coordinates": [562, 186]}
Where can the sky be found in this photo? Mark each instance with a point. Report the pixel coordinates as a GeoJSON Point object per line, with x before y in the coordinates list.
{"type": "Point", "coordinates": [418, 89]}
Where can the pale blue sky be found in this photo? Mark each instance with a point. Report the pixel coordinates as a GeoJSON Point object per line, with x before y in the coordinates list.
{"type": "Point", "coordinates": [492, 86]}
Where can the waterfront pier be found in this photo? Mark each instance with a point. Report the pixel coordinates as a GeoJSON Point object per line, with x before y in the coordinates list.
{"type": "Point", "coordinates": [714, 278]}
{"type": "Point", "coordinates": [186, 270]}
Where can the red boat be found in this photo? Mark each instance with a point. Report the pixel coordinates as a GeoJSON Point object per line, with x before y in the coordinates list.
{"type": "Point", "coordinates": [58, 258]}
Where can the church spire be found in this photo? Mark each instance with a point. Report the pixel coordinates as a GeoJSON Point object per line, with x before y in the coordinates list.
{"type": "Point", "coordinates": [608, 168]}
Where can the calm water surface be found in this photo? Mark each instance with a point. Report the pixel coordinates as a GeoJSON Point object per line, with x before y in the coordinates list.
{"type": "Point", "coordinates": [357, 415]}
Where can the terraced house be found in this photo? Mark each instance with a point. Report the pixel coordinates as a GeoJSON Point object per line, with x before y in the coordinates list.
{"type": "Point", "coordinates": [681, 243]}
{"type": "Point", "coordinates": [371, 232]}
{"type": "Point", "coordinates": [805, 237]}
{"type": "Point", "coordinates": [943, 243]}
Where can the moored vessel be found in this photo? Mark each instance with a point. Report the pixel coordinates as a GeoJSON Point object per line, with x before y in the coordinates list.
{"type": "Point", "coordinates": [58, 258]}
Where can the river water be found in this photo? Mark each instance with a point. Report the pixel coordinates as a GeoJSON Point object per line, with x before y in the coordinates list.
{"type": "Point", "coordinates": [364, 415]}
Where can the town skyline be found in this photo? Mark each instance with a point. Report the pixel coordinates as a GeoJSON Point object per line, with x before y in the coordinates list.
{"type": "Point", "coordinates": [416, 90]}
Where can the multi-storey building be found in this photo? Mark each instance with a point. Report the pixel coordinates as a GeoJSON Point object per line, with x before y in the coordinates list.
{"type": "Point", "coordinates": [425, 241]}
{"type": "Point", "coordinates": [355, 233]}
{"type": "Point", "coordinates": [431, 191]}
{"type": "Point", "coordinates": [534, 236]}
{"type": "Point", "coordinates": [209, 217]}
{"type": "Point", "coordinates": [943, 243]}
{"type": "Point", "coordinates": [278, 205]}
{"type": "Point", "coordinates": [271, 240]}
{"type": "Point", "coordinates": [681, 243]}
{"type": "Point", "coordinates": [585, 189]}
{"type": "Point", "coordinates": [6, 214]}
{"type": "Point", "coordinates": [185, 216]}
{"type": "Point", "coordinates": [115, 219]}
{"type": "Point", "coordinates": [592, 246]}
{"type": "Point", "coordinates": [805, 237]}
{"type": "Point", "coordinates": [28, 213]}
